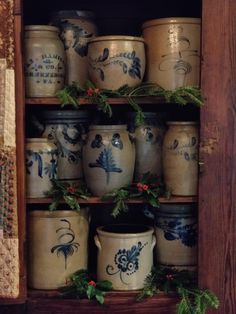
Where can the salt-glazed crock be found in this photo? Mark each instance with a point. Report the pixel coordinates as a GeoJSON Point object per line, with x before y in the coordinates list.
{"type": "Point", "coordinates": [116, 60]}
{"type": "Point", "coordinates": [148, 145]}
{"type": "Point", "coordinates": [41, 166]}
{"type": "Point", "coordinates": [173, 51]}
{"type": "Point", "coordinates": [125, 255]}
{"type": "Point", "coordinates": [76, 29]}
{"type": "Point", "coordinates": [67, 129]}
{"type": "Point", "coordinates": [180, 158]}
{"type": "Point", "coordinates": [58, 246]}
{"type": "Point", "coordinates": [108, 158]}
{"type": "Point", "coordinates": [176, 234]}
{"type": "Point", "coordinates": [44, 61]}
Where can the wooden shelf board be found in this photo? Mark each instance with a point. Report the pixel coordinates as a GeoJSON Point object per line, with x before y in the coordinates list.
{"type": "Point", "coordinates": [97, 200]}
{"type": "Point", "coordinates": [115, 302]}
{"type": "Point", "coordinates": [84, 101]}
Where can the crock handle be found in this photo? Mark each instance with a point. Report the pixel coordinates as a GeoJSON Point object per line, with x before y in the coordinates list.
{"type": "Point", "coordinates": [97, 242]}
{"type": "Point", "coordinates": [153, 241]}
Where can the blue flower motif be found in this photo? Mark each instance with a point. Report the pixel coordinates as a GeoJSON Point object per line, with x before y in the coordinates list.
{"type": "Point", "coordinates": [127, 261]}
{"type": "Point", "coordinates": [177, 229]}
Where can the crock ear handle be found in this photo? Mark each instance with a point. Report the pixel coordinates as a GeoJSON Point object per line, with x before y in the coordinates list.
{"type": "Point", "coordinates": [97, 242]}
{"type": "Point", "coordinates": [153, 241]}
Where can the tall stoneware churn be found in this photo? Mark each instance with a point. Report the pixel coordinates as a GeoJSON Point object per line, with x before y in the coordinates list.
{"type": "Point", "coordinates": [180, 158]}
{"type": "Point", "coordinates": [41, 166]}
{"type": "Point", "coordinates": [67, 129]}
{"type": "Point", "coordinates": [148, 145]}
{"type": "Point", "coordinates": [108, 158]}
{"type": "Point", "coordinates": [125, 255]}
{"type": "Point", "coordinates": [176, 234]}
{"type": "Point", "coordinates": [58, 246]}
{"type": "Point", "coordinates": [76, 29]}
{"type": "Point", "coordinates": [44, 61]}
{"type": "Point", "coordinates": [173, 51]}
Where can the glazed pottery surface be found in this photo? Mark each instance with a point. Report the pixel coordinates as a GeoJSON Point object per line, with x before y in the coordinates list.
{"type": "Point", "coordinates": [58, 246]}
{"type": "Point", "coordinates": [41, 166]}
{"type": "Point", "coordinates": [180, 158]}
{"type": "Point", "coordinates": [76, 29]}
{"type": "Point", "coordinates": [125, 255]}
{"type": "Point", "coordinates": [148, 146]}
{"type": "Point", "coordinates": [116, 60]}
{"type": "Point", "coordinates": [108, 158]}
{"type": "Point", "coordinates": [173, 51]}
{"type": "Point", "coordinates": [67, 129]}
{"type": "Point", "coordinates": [176, 234]}
{"type": "Point", "coordinates": [44, 61]}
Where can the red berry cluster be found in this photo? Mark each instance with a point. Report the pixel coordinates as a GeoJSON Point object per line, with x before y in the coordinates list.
{"type": "Point", "coordinates": [142, 187]}
{"type": "Point", "coordinates": [91, 91]}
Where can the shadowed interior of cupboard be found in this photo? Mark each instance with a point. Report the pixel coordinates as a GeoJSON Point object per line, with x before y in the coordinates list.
{"type": "Point", "coordinates": [117, 16]}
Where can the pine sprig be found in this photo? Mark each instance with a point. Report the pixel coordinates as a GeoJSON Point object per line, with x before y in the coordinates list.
{"type": "Point", "coordinates": [82, 285]}
{"type": "Point", "coordinates": [148, 188]}
{"type": "Point", "coordinates": [181, 95]}
{"type": "Point", "coordinates": [69, 193]}
{"type": "Point", "coordinates": [193, 300]}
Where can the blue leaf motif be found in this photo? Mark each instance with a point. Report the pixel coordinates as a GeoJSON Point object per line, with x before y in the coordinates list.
{"type": "Point", "coordinates": [67, 248]}
{"type": "Point", "coordinates": [170, 236]}
{"type": "Point", "coordinates": [106, 162]}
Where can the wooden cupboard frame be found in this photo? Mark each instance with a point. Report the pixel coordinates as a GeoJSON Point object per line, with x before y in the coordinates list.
{"type": "Point", "coordinates": [217, 179]}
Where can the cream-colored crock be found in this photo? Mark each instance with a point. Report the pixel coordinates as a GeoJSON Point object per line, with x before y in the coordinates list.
{"type": "Point", "coordinates": [125, 255]}
{"type": "Point", "coordinates": [116, 60]}
{"type": "Point", "coordinates": [173, 51]}
{"type": "Point", "coordinates": [58, 246]}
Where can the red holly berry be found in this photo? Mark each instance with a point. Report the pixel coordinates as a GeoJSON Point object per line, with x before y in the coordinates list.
{"type": "Point", "coordinates": [92, 283]}
{"type": "Point", "coordinates": [145, 187]}
{"type": "Point", "coordinates": [71, 189]}
{"type": "Point", "coordinates": [90, 92]}
{"type": "Point", "coordinates": [169, 277]}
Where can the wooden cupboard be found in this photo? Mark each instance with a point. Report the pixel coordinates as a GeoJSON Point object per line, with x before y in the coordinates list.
{"type": "Point", "coordinates": [217, 172]}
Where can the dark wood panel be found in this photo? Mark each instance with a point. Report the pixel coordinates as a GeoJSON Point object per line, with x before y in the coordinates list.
{"type": "Point", "coordinates": [13, 309]}
{"type": "Point", "coordinates": [20, 161]}
{"type": "Point", "coordinates": [217, 190]}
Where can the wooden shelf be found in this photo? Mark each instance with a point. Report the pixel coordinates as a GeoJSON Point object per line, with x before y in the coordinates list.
{"type": "Point", "coordinates": [84, 101]}
{"type": "Point", "coordinates": [115, 302]}
{"type": "Point", "coordinates": [97, 200]}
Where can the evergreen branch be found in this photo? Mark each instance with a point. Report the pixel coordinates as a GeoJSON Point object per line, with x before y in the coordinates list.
{"type": "Point", "coordinates": [181, 95]}
{"type": "Point", "coordinates": [82, 285]}
{"type": "Point", "coordinates": [70, 193]}
{"type": "Point", "coordinates": [148, 188]}
{"type": "Point", "coordinates": [193, 300]}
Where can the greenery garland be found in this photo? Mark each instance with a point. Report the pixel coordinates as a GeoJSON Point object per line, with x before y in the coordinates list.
{"type": "Point", "coordinates": [148, 188]}
{"type": "Point", "coordinates": [67, 192]}
{"type": "Point", "coordinates": [193, 300]}
{"type": "Point", "coordinates": [82, 285]}
{"type": "Point", "coordinates": [70, 94]}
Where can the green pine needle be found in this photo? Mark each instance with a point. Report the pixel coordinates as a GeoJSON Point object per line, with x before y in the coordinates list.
{"type": "Point", "coordinates": [70, 94]}
{"type": "Point", "coordinates": [193, 300]}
